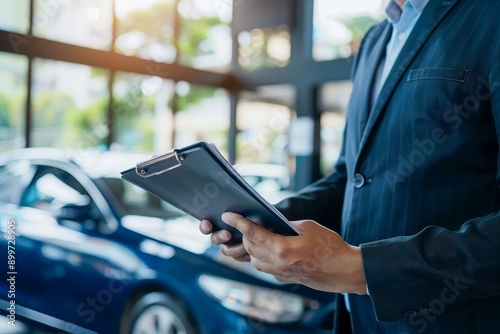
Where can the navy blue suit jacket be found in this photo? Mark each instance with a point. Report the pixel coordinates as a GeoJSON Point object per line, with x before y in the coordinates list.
{"type": "Point", "coordinates": [417, 182]}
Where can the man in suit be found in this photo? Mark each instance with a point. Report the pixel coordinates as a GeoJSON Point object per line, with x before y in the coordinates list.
{"type": "Point", "coordinates": [415, 193]}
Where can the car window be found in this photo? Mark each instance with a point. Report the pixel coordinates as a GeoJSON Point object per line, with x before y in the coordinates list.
{"type": "Point", "coordinates": [58, 192]}
{"type": "Point", "coordinates": [14, 176]}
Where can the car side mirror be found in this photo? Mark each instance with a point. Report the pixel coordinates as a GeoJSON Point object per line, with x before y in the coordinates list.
{"type": "Point", "coordinates": [76, 212]}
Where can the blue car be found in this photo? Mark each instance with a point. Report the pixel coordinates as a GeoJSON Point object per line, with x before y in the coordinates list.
{"type": "Point", "coordinates": [86, 252]}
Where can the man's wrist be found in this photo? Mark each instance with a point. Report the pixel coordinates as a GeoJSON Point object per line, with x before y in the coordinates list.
{"type": "Point", "coordinates": [356, 272]}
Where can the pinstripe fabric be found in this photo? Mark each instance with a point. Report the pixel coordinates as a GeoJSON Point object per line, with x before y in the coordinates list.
{"type": "Point", "coordinates": [428, 152]}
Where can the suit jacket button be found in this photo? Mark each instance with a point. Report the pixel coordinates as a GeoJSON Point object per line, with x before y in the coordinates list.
{"type": "Point", "coordinates": [359, 180]}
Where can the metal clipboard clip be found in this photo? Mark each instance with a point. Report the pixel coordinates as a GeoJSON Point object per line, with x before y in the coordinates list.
{"type": "Point", "coordinates": [160, 164]}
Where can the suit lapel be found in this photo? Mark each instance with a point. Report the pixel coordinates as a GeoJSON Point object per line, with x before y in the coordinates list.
{"type": "Point", "coordinates": [432, 15]}
{"type": "Point", "coordinates": [373, 58]}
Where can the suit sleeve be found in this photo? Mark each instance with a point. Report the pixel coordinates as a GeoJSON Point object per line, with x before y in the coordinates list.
{"type": "Point", "coordinates": [321, 201]}
{"type": "Point", "coordinates": [406, 275]}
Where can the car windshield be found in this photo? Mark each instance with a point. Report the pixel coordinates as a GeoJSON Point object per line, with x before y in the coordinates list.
{"type": "Point", "coordinates": [136, 201]}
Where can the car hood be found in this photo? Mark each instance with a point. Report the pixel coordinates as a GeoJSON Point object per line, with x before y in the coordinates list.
{"type": "Point", "coordinates": [183, 232]}
{"type": "Point", "coordinates": [34, 229]}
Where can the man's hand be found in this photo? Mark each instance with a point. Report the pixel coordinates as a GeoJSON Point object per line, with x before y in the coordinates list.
{"type": "Point", "coordinates": [318, 258]}
{"type": "Point", "coordinates": [223, 238]}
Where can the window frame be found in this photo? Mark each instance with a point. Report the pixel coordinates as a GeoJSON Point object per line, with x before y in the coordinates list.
{"type": "Point", "coordinates": [109, 221]}
{"type": "Point", "coordinates": [302, 71]}
{"type": "Point", "coordinates": [33, 47]}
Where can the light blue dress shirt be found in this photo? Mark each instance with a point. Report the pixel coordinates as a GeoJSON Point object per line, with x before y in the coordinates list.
{"type": "Point", "coordinates": [403, 21]}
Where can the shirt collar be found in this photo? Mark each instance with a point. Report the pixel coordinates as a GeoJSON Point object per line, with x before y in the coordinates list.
{"type": "Point", "coordinates": [394, 12]}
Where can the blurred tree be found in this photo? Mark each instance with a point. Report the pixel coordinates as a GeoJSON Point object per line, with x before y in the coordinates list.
{"type": "Point", "coordinates": [359, 26]}
{"type": "Point", "coordinates": [257, 54]}
{"type": "Point", "coordinates": [57, 114]}
{"type": "Point", "coordinates": [50, 108]}
{"type": "Point", "coordinates": [8, 123]}
{"type": "Point", "coordinates": [86, 127]}
{"type": "Point", "coordinates": [5, 113]}
{"type": "Point", "coordinates": [193, 33]}
{"type": "Point", "coordinates": [133, 113]}
{"type": "Point", "coordinates": [156, 22]}
{"type": "Point", "coordinates": [195, 95]}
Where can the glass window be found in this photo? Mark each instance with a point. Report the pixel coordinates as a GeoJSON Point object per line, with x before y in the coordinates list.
{"type": "Point", "coordinates": [69, 104]}
{"type": "Point", "coordinates": [205, 35]}
{"type": "Point", "coordinates": [52, 189]}
{"type": "Point", "coordinates": [142, 113]}
{"type": "Point", "coordinates": [13, 78]}
{"type": "Point", "coordinates": [14, 176]}
{"type": "Point", "coordinates": [58, 192]}
{"type": "Point", "coordinates": [145, 29]}
{"type": "Point", "coordinates": [203, 114]}
{"type": "Point", "coordinates": [264, 48]}
{"type": "Point", "coordinates": [334, 98]}
{"type": "Point", "coordinates": [262, 132]}
{"type": "Point", "coordinates": [81, 22]}
{"type": "Point", "coordinates": [14, 15]}
{"type": "Point", "coordinates": [339, 26]}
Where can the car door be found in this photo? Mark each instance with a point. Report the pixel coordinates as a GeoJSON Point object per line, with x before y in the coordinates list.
{"type": "Point", "coordinates": [14, 177]}
{"type": "Point", "coordinates": [60, 269]}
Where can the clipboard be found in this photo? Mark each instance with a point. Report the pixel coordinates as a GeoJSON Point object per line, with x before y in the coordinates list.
{"type": "Point", "coordinates": [198, 180]}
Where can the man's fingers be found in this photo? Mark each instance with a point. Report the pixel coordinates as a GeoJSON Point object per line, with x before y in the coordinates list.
{"type": "Point", "coordinates": [217, 238]}
{"type": "Point", "coordinates": [238, 252]}
{"type": "Point", "coordinates": [206, 227]}
{"type": "Point", "coordinates": [306, 226]}
{"type": "Point", "coordinates": [220, 237]}
{"type": "Point", "coordinates": [244, 258]}
{"type": "Point", "coordinates": [251, 231]}
{"type": "Point", "coordinates": [286, 279]}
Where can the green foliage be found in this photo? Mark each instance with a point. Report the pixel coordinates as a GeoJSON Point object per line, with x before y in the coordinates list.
{"type": "Point", "coordinates": [360, 25]}
{"type": "Point", "coordinates": [58, 120]}
{"type": "Point", "coordinates": [11, 119]}
{"type": "Point", "coordinates": [85, 127]}
{"type": "Point", "coordinates": [133, 114]}
{"type": "Point", "coordinates": [154, 21]}
{"type": "Point", "coordinates": [193, 33]}
{"type": "Point", "coordinates": [17, 109]}
{"type": "Point", "coordinates": [50, 108]}
{"type": "Point", "coordinates": [5, 112]}
{"type": "Point", "coordinates": [96, 72]}
{"type": "Point", "coordinates": [196, 95]}
{"type": "Point", "coordinates": [127, 109]}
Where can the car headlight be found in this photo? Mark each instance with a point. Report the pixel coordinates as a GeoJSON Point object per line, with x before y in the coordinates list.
{"type": "Point", "coordinates": [273, 306]}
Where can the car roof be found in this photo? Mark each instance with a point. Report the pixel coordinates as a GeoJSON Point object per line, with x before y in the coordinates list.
{"type": "Point", "coordinates": [93, 162]}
